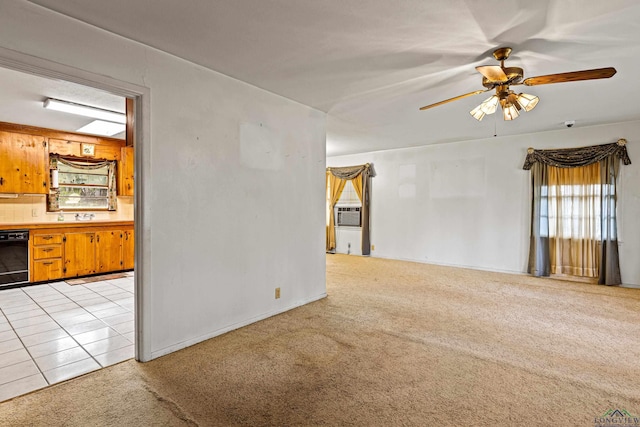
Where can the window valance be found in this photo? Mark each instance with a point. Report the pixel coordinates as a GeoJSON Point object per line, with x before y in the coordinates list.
{"type": "Point", "coordinates": [79, 164]}
{"type": "Point", "coordinates": [350, 172]}
{"type": "Point", "coordinates": [574, 157]}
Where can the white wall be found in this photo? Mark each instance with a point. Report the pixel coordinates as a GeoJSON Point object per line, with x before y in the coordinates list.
{"type": "Point", "coordinates": [349, 240]}
{"type": "Point", "coordinates": [235, 180]}
{"type": "Point", "coordinates": [467, 203]}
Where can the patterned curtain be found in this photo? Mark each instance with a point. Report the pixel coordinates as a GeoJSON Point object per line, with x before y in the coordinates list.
{"type": "Point", "coordinates": [53, 198]}
{"type": "Point", "coordinates": [574, 157]}
{"type": "Point", "coordinates": [113, 200]}
{"type": "Point", "coordinates": [555, 191]}
{"type": "Point", "coordinates": [54, 193]}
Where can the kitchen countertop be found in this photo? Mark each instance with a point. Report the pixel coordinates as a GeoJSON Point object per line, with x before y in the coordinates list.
{"type": "Point", "coordinates": [64, 224]}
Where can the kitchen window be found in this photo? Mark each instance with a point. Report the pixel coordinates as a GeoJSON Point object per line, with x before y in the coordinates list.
{"type": "Point", "coordinates": [82, 185]}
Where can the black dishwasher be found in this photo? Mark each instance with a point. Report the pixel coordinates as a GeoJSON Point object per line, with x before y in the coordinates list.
{"type": "Point", "coordinates": [14, 257]}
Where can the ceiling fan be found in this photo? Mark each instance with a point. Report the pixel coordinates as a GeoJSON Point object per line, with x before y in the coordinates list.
{"type": "Point", "coordinates": [501, 78]}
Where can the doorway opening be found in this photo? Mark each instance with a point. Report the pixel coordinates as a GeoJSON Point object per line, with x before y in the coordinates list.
{"type": "Point", "coordinates": [58, 325]}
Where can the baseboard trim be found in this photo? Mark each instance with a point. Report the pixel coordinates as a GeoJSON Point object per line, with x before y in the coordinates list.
{"type": "Point", "coordinates": [444, 264]}
{"type": "Point", "coordinates": [188, 343]}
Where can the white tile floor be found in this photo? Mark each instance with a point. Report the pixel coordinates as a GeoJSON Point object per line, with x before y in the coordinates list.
{"type": "Point", "coordinates": [52, 332]}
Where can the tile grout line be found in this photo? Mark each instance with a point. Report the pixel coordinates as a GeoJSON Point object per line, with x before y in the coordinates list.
{"type": "Point", "coordinates": [56, 322]}
{"type": "Point", "coordinates": [24, 346]}
{"type": "Point", "coordinates": [97, 318]}
{"type": "Point", "coordinates": [65, 329]}
{"type": "Point", "coordinates": [49, 315]}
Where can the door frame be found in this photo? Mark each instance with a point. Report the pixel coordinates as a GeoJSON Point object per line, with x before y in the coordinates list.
{"type": "Point", "coordinates": [142, 152]}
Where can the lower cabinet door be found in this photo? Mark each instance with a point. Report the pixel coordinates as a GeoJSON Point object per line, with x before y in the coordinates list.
{"type": "Point", "coordinates": [47, 269]}
{"type": "Point", "coordinates": [128, 250]}
{"type": "Point", "coordinates": [79, 254]}
{"type": "Point", "coordinates": [109, 250]}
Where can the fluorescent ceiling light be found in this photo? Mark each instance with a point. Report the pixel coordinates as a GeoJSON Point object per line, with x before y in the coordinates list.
{"type": "Point", "coordinates": [85, 110]}
{"type": "Point", "coordinates": [100, 127]}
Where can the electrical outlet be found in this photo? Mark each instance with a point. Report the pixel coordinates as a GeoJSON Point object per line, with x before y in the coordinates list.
{"type": "Point", "coordinates": [373, 247]}
{"type": "Point", "coordinates": [34, 212]}
{"type": "Point", "coordinates": [277, 293]}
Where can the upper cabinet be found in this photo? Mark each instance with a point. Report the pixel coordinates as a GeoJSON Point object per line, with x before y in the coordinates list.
{"type": "Point", "coordinates": [125, 172]}
{"type": "Point", "coordinates": [23, 163]}
{"type": "Point", "coordinates": [104, 150]}
{"type": "Point", "coordinates": [125, 167]}
{"type": "Point", "coordinates": [24, 157]}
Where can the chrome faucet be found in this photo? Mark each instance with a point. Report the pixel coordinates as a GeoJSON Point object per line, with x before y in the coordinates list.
{"type": "Point", "coordinates": [85, 216]}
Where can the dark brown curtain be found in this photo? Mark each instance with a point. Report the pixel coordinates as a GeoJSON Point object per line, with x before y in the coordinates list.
{"type": "Point", "coordinates": [349, 173]}
{"type": "Point", "coordinates": [538, 161]}
{"type": "Point", "coordinates": [539, 258]}
{"type": "Point", "coordinates": [609, 260]}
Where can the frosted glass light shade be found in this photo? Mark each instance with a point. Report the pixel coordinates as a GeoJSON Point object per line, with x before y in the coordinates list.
{"type": "Point", "coordinates": [510, 112]}
{"type": "Point", "coordinates": [528, 102]}
{"type": "Point", "coordinates": [490, 104]}
{"type": "Point", "coordinates": [478, 113]}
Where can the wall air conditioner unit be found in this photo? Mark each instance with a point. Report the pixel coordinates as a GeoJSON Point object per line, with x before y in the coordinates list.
{"type": "Point", "coordinates": [348, 216]}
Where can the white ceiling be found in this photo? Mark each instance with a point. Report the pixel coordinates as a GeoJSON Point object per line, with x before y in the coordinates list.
{"type": "Point", "coordinates": [23, 96]}
{"type": "Point", "coordinates": [370, 64]}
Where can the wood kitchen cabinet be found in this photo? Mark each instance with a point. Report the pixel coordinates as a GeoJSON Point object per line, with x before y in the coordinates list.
{"type": "Point", "coordinates": [46, 258]}
{"type": "Point", "coordinates": [79, 253]}
{"type": "Point", "coordinates": [128, 249]}
{"type": "Point", "coordinates": [99, 251]}
{"type": "Point", "coordinates": [109, 251]}
{"type": "Point", "coordinates": [103, 148]}
{"type": "Point", "coordinates": [23, 163]}
{"type": "Point", "coordinates": [75, 250]}
{"type": "Point", "coordinates": [125, 172]}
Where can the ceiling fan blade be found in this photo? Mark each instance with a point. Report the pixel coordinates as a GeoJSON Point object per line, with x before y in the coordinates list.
{"type": "Point", "coordinates": [575, 76]}
{"type": "Point", "coordinates": [454, 99]}
{"type": "Point", "coordinates": [493, 73]}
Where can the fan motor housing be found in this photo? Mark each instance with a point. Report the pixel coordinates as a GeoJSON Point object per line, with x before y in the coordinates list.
{"type": "Point", "coordinates": [514, 75]}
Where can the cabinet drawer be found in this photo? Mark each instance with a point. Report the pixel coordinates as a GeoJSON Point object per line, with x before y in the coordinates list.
{"type": "Point", "coordinates": [44, 252]}
{"type": "Point", "coordinates": [47, 239]}
{"type": "Point", "coordinates": [48, 269]}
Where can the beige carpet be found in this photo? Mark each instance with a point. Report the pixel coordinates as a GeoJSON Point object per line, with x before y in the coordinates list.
{"type": "Point", "coordinates": [394, 344]}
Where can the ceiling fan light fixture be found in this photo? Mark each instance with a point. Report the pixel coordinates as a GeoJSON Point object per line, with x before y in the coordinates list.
{"type": "Point", "coordinates": [490, 104]}
{"type": "Point", "coordinates": [478, 113]}
{"type": "Point", "coordinates": [510, 112]}
{"type": "Point", "coordinates": [527, 101]}
{"type": "Point", "coordinates": [501, 78]}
